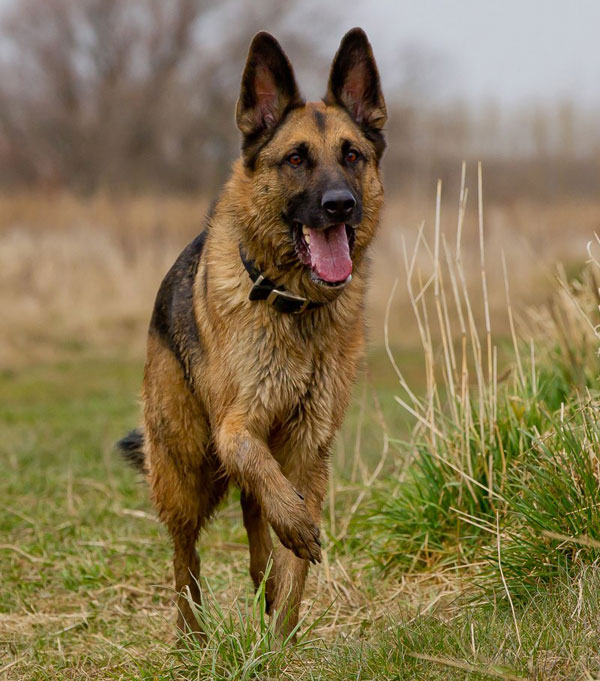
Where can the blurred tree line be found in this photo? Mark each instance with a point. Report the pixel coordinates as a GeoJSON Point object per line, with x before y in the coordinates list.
{"type": "Point", "coordinates": [138, 95]}
{"type": "Point", "coordinates": [116, 94]}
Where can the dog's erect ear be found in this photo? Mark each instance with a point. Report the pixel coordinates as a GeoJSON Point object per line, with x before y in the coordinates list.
{"type": "Point", "coordinates": [354, 82]}
{"type": "Point", "coordinates": [269, 88]}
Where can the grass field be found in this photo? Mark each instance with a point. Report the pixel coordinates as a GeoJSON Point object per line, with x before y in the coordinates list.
{"type": "Point", "coordinates": [462, 524]}
{"type": "Point", "coordinates": [86, 573]}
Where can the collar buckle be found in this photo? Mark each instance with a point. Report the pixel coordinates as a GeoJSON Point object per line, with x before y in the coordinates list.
{"type": "Point", "coordinates": [280, 299]}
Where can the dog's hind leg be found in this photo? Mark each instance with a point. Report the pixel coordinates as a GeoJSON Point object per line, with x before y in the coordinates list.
{"type": "Point", "coordinates": [184, 475]}
{"type": "Point", "coordinates": [186, 567]}
{"type": "Point", "coordinates": [261, 545]}
{"type": "Point", "coordinates": [185, 504]}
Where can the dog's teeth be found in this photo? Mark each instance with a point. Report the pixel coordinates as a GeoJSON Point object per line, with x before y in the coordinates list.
{"type": "Point", "coordinates": [307, 238]}
{"type": "Point", "coordinates": [305, 230]}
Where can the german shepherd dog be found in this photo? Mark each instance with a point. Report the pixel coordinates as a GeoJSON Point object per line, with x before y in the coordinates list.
{"type": "Point", "coordinates": [258, 330]}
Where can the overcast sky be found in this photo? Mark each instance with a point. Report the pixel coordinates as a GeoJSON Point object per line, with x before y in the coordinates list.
{"type": "Point", "coordinates": [511, 50]}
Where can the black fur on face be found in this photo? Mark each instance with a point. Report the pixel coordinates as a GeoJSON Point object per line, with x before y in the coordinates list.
{"type": "Point", "coordinates": [306, 206]}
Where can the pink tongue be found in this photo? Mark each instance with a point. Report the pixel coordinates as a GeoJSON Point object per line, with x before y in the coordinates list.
{"type": "Point", "coordinates": [330, 253]}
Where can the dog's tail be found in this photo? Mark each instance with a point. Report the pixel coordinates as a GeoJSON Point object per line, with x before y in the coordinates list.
{"type": "Point", "coordinates": [131, 448]}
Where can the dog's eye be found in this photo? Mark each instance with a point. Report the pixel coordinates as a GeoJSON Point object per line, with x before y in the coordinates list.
{"type": "Point", "coordinates": [352, 156]}
{"type": "Point", "coordinates": [294, 159]}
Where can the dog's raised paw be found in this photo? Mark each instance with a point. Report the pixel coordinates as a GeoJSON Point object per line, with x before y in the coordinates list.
{"type": "Point", "coordinates": [301, 535]}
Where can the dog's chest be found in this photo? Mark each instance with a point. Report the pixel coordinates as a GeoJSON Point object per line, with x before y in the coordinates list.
{"type": "Point", "coordinates": [283, 375]}
{"type": "Point", "coordinates": [292, 377]}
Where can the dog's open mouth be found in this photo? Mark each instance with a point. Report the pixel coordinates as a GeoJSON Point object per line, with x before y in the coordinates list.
{"type": "Point", "coordinates": [326, 251]}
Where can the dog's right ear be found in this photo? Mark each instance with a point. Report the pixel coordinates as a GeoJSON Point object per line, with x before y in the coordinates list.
{"type": "Point", "coordinates": [268, 91]}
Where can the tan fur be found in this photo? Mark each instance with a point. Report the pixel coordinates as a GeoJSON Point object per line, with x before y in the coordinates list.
{"type": "Point", "coordinates": [268, 391]}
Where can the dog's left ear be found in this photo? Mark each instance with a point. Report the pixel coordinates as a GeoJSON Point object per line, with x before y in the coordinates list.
{"type": "Point", "coordinates": [269, 88]}
{"type": "Point", "coordinates": [354, 82]}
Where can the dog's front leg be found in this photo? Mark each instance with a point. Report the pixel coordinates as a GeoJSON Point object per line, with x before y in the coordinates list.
{"type": "Point", "coordinates": [290, 572]}
{"type": "Point", "coordinates": [248, 461]}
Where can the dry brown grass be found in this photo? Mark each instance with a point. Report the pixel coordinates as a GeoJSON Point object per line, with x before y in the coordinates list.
{"type": "Point", "coordinates": [82, 272]}
{"type": "Point", "coordinates": [76, 272]}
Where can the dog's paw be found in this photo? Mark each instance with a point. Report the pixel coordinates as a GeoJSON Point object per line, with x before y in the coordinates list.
{"type": "Point", "coordinates": [299, 533]}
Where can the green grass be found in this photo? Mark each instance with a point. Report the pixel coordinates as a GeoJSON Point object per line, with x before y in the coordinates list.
{"type": "Point", "coordinates": [86, 575]}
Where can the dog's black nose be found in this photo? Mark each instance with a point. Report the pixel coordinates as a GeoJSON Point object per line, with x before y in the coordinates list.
{"type": "Point", "coordinates": [338, 203]}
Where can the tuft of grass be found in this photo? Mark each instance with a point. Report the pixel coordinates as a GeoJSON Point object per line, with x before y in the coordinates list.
{"type": "Point", "coordinates": [241, 641]}
{"type": "Point", "coordinates": [554, 504]}
{"type": "Point", "coordinates": [503, 468]}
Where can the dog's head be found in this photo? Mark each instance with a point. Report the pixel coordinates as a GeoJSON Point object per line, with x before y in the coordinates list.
{"type": "Point", "coordinates": [312, 168]}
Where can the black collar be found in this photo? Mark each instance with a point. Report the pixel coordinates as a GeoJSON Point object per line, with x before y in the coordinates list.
{"type": "Point", "coordinates": [277, 297]}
